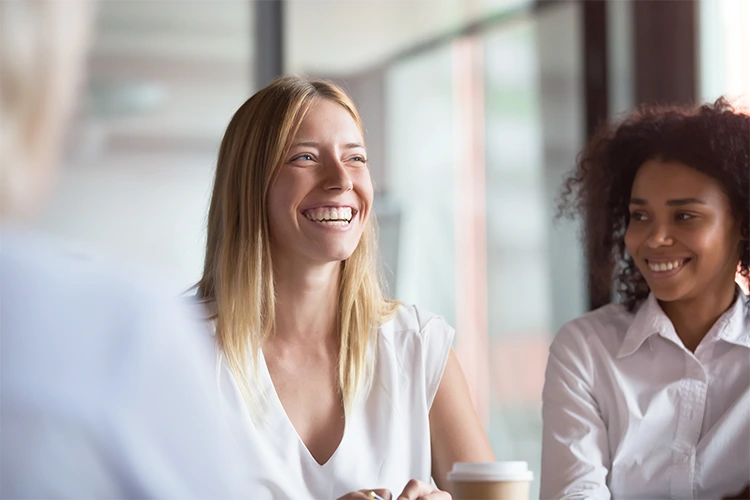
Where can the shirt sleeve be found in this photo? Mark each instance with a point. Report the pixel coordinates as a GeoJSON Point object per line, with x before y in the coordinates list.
{"type": "Point", "coordinates": [437, 339]}
{"type": "Point", "coordinates": [170, 427]}
{"type": "Point", "coordinates": [575, 448]}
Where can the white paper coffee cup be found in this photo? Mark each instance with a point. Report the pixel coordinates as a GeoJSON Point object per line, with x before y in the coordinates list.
{"type": "Point", "coordinates": [491, 480]}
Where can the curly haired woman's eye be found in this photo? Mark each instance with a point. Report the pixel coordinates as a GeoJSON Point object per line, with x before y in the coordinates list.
{"type": "Point", "coordinates": [638, 216]}
{"type": "Point", "coordinates": [683, 216]}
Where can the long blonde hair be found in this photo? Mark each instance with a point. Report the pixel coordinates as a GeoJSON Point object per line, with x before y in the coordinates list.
{"type": "Point", "coordinates": [238, 270]}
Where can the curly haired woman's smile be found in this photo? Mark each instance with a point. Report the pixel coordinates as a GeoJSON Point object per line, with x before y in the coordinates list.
{"type": "Point", "coordinates": [682, 235]}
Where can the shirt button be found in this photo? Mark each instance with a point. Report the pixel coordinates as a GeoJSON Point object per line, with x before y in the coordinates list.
{"type": "Point", "coordinates": [685, 458]}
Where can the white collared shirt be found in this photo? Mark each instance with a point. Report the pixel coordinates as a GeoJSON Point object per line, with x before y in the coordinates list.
{"type": "Point", "coordinates": [629, 412]}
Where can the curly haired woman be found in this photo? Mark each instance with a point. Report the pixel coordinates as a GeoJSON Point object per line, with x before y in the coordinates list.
{"type": "Point", "coordinates": [650, 397]}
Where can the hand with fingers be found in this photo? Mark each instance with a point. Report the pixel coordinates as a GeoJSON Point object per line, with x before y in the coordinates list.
{"type": "Point", "coordinates": [376, 494]}
{"type": "Point", "coordinates": [419, 490]}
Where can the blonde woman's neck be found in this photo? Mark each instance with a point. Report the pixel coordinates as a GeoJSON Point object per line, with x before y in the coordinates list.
{"type": "Point", "coordinates": [306, 302]}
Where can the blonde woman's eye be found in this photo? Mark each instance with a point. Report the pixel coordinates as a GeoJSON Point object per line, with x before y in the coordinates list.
{"type": "Point", "coordinates": [304, 157]}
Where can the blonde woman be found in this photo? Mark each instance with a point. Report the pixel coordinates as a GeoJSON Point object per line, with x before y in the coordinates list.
{"type": "Point", "coordinates": [338, 390]}
{"type": "Point", "coordinates": [105, 385]}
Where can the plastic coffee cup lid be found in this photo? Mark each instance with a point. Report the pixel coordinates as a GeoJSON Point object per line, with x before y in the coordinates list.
{"type": "Point", "coordinates": [490, 471]}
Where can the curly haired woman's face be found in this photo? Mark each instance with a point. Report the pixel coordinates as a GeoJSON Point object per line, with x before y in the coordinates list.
{"type": "Point", "coordinates": [681, 234]}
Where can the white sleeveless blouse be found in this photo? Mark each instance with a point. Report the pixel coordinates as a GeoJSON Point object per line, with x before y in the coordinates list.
{"type": "Point", "coordinates": [386, 439]}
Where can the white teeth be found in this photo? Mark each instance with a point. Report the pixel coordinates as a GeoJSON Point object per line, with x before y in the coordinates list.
{"type": "Point", "coordinates": [665, 266]}
{"type": "Point", "coordinates": [334, 222]}
{"type": "Point", "coordinates": [340, 216]}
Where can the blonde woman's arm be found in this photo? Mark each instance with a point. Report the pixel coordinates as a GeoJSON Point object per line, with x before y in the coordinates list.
{"type": "Point", "coordinates": [456, 433]}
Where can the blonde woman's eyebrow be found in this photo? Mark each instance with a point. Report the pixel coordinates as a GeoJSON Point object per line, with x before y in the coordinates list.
{"type": "Point", "coordinates": [305, 144]}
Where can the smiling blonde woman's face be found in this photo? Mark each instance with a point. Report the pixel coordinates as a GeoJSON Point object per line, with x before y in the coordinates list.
{"type": "Point", "coordinates": [320, 201]}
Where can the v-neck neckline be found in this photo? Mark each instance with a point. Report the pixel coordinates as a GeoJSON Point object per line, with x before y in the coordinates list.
{"type": "Point", "coordinates": [276, 401]}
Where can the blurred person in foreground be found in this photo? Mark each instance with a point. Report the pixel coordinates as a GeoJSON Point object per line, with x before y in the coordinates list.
{"type": "Point", "coordinates": [333, 388]}
{"type": "Point", "coordinates": [650, 397]}
{"type": "Point", "coordinates": [105, 392]}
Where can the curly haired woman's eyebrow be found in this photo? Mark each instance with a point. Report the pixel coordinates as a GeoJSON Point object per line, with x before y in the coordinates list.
{"type": "Point", "coordinates": [672, 203]}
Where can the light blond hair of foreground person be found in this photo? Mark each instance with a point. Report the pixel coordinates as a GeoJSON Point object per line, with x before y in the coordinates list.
{"type": "Point", "coordinates": [105, 392]}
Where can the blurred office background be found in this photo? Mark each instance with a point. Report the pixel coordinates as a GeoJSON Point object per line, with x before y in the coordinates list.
{"type": "Point", "coordinates": [475, 109]}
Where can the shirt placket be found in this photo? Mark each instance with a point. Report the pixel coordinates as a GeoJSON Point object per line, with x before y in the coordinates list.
{"type": "Point", "coordinates": [692, 406]}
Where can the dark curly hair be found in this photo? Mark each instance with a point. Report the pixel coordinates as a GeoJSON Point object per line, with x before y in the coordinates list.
{"type": "Point", "coordinates": [713, 138]}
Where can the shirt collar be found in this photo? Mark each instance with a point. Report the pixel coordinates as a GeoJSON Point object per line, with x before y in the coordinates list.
{"type": "Point", "coordinates": [733, 326]}
{"type": "Point", "coordinates": [649, 320]}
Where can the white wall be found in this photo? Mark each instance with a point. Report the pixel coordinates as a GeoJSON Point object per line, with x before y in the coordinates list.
{"type": "Point", "coordinates": [725, 50]}
{"type": "Point", "coordinates": [164, 79]}
{"type": "Point", "coordinates": [145, 208]}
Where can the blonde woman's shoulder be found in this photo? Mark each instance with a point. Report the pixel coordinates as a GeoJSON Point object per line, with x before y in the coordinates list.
{"type": "Point", "coordinates": [202, 314]}
{"type": "Point", "coordinates": [410, 321]}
